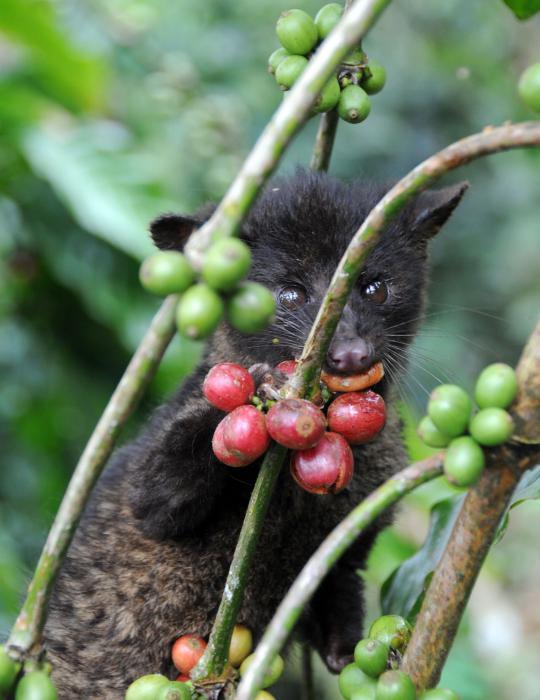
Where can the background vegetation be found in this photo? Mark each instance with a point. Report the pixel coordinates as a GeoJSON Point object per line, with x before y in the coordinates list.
{"type": "Point", "coordinates": [112, 111]}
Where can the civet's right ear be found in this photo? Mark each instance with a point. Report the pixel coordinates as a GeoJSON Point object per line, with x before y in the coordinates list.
{"type": "Point", "coordinates": [171, 231]}
{"type": "Point", "coordinates": [432, 208]}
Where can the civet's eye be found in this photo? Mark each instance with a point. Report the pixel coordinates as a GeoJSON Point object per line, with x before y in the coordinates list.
{"type": "Point", "coordinates": [376, 291]}
{"type": "Point", "coordinates": [292, 297]}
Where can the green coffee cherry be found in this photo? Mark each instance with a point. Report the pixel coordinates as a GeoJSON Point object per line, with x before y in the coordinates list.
{"type": "Point", "coordinates": [376, 80]}
{"type": "Point", "coordinates": [251, 308]}
{"type": "Point", "coordinates": [355, 58]}
{"type": "Point", "coordinates": [371, 656]}
{"type": "Point", "coordinates": [174, 690]}
{"type": "Point", "coordinates": [297, 32]}
{"type": "Point", "coordinates": [529, 87]}
{"type": "Point", "coordinates": [166, 272]}
{"type": "Point", "coordinates": [491, 426]}
{"type": "Point", "coordinates": [365, 692]}
{"type": "Point", "coordinates": [272, 675]}
{"type": "Point", "coordinates": [464, 461]}
{"type": "Point", "coordinates": [36, 685]}
{"type": "Point", "coordinates": [393, 630]}
{"type": "Point", "coordinates": [449, 408]}
{"type": "Point", "coordinates": [395, 685]}
{"type": "Point", "coordinates": [226, 262]}
{"type": "Point", "coordinates": [439, 694]}
{"type": "Point", "coordinates": [275, 59]}
{"type": "Point", "coordinates": [496, 386]}
{"type": "Point", "coordinates": [199, 312]}
{"type": "Point", "coordinates": [329, 96]}
{"type": "Point", "coordinates": [327, 18]}
{"type": "Point", "coordinates": [352, 680]}
{"type": "Point", "coordinates": [430, 434]}
{"type": "Point", "coordinates": [8, 670]}
{"type": "Point", "coordinates": [354, 105]}
{"type": "Point", "coordinates": [289, 70]}
{"type": "Point", "coordinates": [146, 687]}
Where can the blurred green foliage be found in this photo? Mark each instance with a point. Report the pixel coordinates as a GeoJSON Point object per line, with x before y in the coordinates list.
{"type": "Point", "coordinates": [113, 111]}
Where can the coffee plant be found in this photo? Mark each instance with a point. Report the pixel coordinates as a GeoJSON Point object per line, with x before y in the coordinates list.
{"type": "Point", "coordinates": [311, 417]}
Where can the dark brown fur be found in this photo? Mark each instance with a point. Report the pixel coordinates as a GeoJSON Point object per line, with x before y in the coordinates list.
{"type": "Point", "coordinates": [150, 558]}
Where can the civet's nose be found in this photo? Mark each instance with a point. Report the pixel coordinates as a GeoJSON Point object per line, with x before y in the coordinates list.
{"type": "Point", "coordinates": [349, 356]}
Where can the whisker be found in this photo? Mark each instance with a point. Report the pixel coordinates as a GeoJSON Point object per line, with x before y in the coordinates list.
{"type": "Point", "coordinates": [417, 351]}
{"type": "Point", "coordinates": [447, 374]}
{"type": "Point", "coordinates": [405, 388]}
{"type": "Point", "coordinates": [471, 310]}
{"type": "Point", "coordinates": [415, 379]}
{"type": "Point", "coordinates": [441, 334]}
{"type": "Point", "coordinates": [417, 363]}
{"type": "Point", "coordinates": [397, 383]}
{"type": "Point", "coordinates": [421, 361]}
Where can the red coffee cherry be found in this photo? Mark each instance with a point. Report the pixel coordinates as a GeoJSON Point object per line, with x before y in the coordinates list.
{"type": "Point", "coordinates": [228, 385]}
{"type": "Point", "coordinates": [221, 451]}
{"type": "Point", "coordinates": [358, 416]}
{"type": "Point", "coordinates": [325, 468]}
{"type": "Point", "coordinates": [296, 423]}
{"type": "Point", "coordinates": [245, 434]}
{"type": "Point", "coordinates": [288, 367]}
{"type": "Point", "coordinates": [186, 652]}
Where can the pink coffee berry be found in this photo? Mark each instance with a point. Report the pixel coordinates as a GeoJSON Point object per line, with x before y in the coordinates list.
{"type": "Point", "coordinates": [296, 423]}
{"type": "Point", "coordinates": [326, 468]}
{"type": "Point", "coordinates": [358, 416]}
{"type": "Point", "coordinates": [228, 385]}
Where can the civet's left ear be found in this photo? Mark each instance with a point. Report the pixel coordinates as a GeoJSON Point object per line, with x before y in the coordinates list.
{"type": "Point", "coordinates": [171, 231]}
{"type": "Point", "coordinates": [433, 207]}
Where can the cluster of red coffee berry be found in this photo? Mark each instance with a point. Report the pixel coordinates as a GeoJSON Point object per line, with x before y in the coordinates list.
{"type": "Point", "coordinates": [322, 461]}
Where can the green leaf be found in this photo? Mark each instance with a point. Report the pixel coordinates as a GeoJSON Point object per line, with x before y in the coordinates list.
{"type": "Point", "coordinates": [403, 590]}
{"type": "Point", "coordinates": [523, 9]}
{"type": "Point", "coordinates": [63, 69]}
{"type": "Point", "coordinates": [19, 106]}
{"type": "Point", "coordinates": [90, 184]}
{"type": "Point", "coordinates": [527, 489]}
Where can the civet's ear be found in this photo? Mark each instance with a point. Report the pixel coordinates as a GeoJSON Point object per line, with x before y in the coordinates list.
{"type": "Point", "coordinates": [171, 231]}
{"type": "Point", "coordinates": [433, 208]}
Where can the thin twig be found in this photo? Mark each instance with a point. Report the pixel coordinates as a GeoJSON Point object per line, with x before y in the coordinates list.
{"type": "Point", "coordinates": [326, 133]}
{"type": "Point", "coordinates": [324, 141]}
{"type": "Point", "coordinates": [215, 658]}
{"type": "Point", "coordinates": [25, 636]}
{"type": "Point", "coordinates": [474, 532]}
{"type": "Point", "coordinates": [308, 681]}
{"type": "Point", "coordinates": [320, 563]}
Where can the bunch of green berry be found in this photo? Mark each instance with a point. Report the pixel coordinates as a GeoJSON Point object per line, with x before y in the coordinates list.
{"type": "Point", "coordinates": [34, 684]}
{"type": "Point", "coordinates": [451, 415]}
{"type": "Point", "coordinates": [221, 289]}
{"type": "Point", "coordinates": [375, 673]}
{"type": "Point", "coordinates": [356, 79]}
